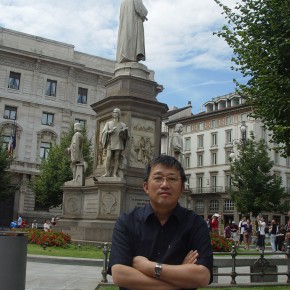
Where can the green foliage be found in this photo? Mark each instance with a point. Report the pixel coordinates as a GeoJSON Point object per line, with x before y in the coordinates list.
{"type": "Point", "coordinates": [255, 188]}
{"type": "Point", "coordinates": [55, 170]}
{"type": "Point", "coordinates": [259, 34]}
{"type": "Point", "coordinates": [6, 189]}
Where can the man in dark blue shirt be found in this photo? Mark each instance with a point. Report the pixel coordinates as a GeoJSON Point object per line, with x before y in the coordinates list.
{"type": "Point", "coordinates": [161, 245]}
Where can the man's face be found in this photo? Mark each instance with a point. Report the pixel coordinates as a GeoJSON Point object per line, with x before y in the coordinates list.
{"type": "Point", "coordinates": [115, 114]}
{"type": "Point", "coordinates": [164, 187]}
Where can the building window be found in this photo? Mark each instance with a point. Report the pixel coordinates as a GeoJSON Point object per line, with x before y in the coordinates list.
{"type": "Point", "coordinates": [82, 96]}
{"type": "Point", "coordinates": [276, 158]}
{"type": "Point", "coordinates": [200, 160]}
{"type": "Point", "coordinates": [14, 80]}
{"type": "Point", "coordinates": [199, 206]}
{"type": "Point", "coordinates": [200, 141]}
{"type": "Point", "coordinates": [187, 183]}
{"type": "Point", "coordinates": [81, 121]}
{"type": "Point", "coordinates": [51, 88]}
{"type": "Point", "coordinates": [200, 126]}
{"type": "Point", "coordinates": [229, 139]}
{"type": "Point", "coordinates": [213, 123]}
{"type": "Point", "coordinates": [264, 133]}
{"type": "Point", "coordinates": [213, 183]}
{"type": "Point", "coordinates": [213, 158]}
{"type": "Point", "coordinates": [288, 161]}
{"type": "Point", "coordinates": [187, 161]}
{"type": "Point", "coordinates": [214, 205]}
{"type": "Point", "coordinates": [188, 129]}
{"type": "Point", "coordinates": [228, 153]}
{"type": "Point", "coordinates": [44, 150]}
{"type": "Point", "coordinates": [229, 120]}
{"type": "Point", "coordinates": [6, 139]}
{"type": "Point", "coordinates": [187, 144]}
{"type": "Point", "coordinates": [228, 182]}
{"type": "Point", "coordinates": [244, 117]}
{"type": "Point", "coordinates": [10, 113]}
{"type": "Point", "coordinates": [47, 119]}
{"type": "Point", "coordinates": [228, 205]}
{"type": "Point", "coordinates": [213, 139]}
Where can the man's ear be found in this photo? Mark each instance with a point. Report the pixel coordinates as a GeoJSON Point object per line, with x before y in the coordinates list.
{"type": "Point", "coordinates": [145, 187]}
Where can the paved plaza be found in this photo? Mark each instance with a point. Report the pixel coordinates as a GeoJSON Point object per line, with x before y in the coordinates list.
{"type": "Point", "coordinates": [63, 274]}
{"type": "Point", "coordinates": [47, 273]}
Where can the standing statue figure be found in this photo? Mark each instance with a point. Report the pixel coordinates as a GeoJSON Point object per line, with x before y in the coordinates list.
{"type": "Point", "coordinates": [176, 143]}
{"type": "Point", "coordinates": [131, 43]}
{"type": "Point", "coordinates": [114, 138]}
{"type": "Point", "coordinates": [76, 150]}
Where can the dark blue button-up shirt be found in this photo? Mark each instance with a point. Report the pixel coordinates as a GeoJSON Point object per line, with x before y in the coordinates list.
{"type": "Point", "coordinates": [139, 233]}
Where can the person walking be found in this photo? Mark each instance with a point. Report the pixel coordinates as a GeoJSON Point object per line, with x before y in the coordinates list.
{"type": "Point", "coordinates": [261, 236]}
{"type": "Point", "coordinates": [273, 233]}
{"type": "Point", "coordinates": [161, 245]}
{"type": "Point", "coordinates": [248, 230]}
{"type": "Point", "coordinates": [242, 225]}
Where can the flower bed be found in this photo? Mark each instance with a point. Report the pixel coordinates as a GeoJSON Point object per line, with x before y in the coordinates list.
{"type": "Point", "coordinates": [220, 243]}
{"type": "Point", "coordinates": [39, 237]}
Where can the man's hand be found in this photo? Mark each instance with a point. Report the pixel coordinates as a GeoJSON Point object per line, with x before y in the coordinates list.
{"type": "Point", "coordinates": [190, 258]}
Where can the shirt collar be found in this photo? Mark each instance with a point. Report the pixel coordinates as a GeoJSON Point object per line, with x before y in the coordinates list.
{"type": "Point", "coordinates": [178, 212]}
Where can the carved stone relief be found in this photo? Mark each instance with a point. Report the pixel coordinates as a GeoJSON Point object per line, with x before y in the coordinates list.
{"type": "Point", "coordinates": [142, 142]}
{"type": "Point", "coordinates": [109, 203]}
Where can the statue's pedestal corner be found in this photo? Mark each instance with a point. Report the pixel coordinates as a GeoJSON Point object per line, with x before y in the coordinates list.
{"type": "Point", "coordinates": [73, 183]}
{"type": "Point", "coordinates": [135, 69]}
{"type": "Point", "coordinates": [104, 179]}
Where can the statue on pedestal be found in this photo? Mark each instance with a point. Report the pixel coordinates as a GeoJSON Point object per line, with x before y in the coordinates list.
{"type": "Point", "coordinates": [176, 143]}
{"type": "Point", "coordinates": [114, 139]}
{"type": "Point", "coordinates": [131, 43]}
{"type": "Point", "coordinates": [77, 163]}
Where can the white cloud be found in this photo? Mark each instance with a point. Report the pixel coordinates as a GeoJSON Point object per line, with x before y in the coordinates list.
{"type": "Point", "coordinates": [179, 38]}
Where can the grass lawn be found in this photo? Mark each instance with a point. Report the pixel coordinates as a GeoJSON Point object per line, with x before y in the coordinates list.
{"type": "Point", "coordinates": [73, 250]}
{"type": "Point", "coordinates": [233, 288]}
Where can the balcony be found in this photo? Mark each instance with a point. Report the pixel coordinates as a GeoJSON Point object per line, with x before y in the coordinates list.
{"type": "Point", "coordinates": [210, 189]}
{"type": "Point", "coordinates": [24, 167]}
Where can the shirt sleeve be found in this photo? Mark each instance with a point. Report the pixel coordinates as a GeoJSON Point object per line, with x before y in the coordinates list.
{"type": "Point", "coordinates": [120, 251]}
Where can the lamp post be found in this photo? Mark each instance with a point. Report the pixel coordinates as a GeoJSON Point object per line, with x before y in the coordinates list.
{"type": "Point", "coordinates": [243, 129]}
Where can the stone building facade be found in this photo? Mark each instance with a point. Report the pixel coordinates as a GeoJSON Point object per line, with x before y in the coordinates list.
{"type": "Point", "coordinates": [45, 86]}
{"type": "Point", "coordinates": [209, 137]}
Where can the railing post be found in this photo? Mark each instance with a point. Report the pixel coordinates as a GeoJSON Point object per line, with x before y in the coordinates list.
{"type": "Point", "coordinates": [106, 251]}
{"type": "Point", "coordinates": [234, 273]}
{"type": "Point", "coordinates": [288, 264]}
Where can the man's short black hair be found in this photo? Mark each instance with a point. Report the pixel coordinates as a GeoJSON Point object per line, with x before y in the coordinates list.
{"type": "Point", "coordinates": [168, 161]}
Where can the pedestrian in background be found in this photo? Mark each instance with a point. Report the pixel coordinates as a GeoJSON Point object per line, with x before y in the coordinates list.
{"type": "Point", "coordinates": [34, 225]}
{"type": "Point", "coordinates": [273, 233]}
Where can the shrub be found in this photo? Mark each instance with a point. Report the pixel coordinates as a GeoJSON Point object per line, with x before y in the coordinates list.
{"type": "Point", "coordinates": [40, 237]}
{"type": "Point", "coordinates": [220, 243]}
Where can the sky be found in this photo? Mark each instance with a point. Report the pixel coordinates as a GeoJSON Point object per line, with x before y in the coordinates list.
{"type": "Point", "coordinates": [189, 61]}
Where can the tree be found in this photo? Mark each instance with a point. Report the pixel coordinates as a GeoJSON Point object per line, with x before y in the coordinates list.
{"type": "Point", "coordinates": [259, 34]}
{"type": "Point", "coordinates": [255, 188]}
{"type": "Point", "coordinates": [6, 189]}
{"type": "Point", "coordinates": [55, 170]}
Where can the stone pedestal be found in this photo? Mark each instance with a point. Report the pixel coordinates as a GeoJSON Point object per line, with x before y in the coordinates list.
{"type": "Point", "coordinates": [80, 176]}
{"type": "Point", "coordinates": [90, 211]}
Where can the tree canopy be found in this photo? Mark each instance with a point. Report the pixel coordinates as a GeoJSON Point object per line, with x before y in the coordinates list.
{"type": "Point", "coordinates": [55, 170]}
{"type": "Point", "coordinates": [6, 188]}
{"type": "Point", "coordinates": [256, 188]}
{"type": "Point", "coordinates": [258, 31]}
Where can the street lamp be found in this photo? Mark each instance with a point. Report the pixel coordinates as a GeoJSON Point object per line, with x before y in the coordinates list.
{"type": "Point", "coordinates": [243, 129]}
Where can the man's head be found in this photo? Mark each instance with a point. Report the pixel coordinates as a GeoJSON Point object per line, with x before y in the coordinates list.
{"type": "Point", "coordinates": [116, 113]}
{"type": "Point", "coordinates": [167, 161]}
{"type": "Point", "coordinates": [77, 127]}
{"type": "Point", "coordinates": [178, 128]}
{"type": "Point", "coordinates": [164, 183]}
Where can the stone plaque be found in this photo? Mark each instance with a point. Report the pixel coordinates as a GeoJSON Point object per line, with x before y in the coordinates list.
{"type": "Point", "coordinates": [138, 201]}
{"type": "Point", "coordinates": [91, 204]}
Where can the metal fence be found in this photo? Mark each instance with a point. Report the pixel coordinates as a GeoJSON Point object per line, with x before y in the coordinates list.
{"type": "Point", "coordinates": [263, 265]}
